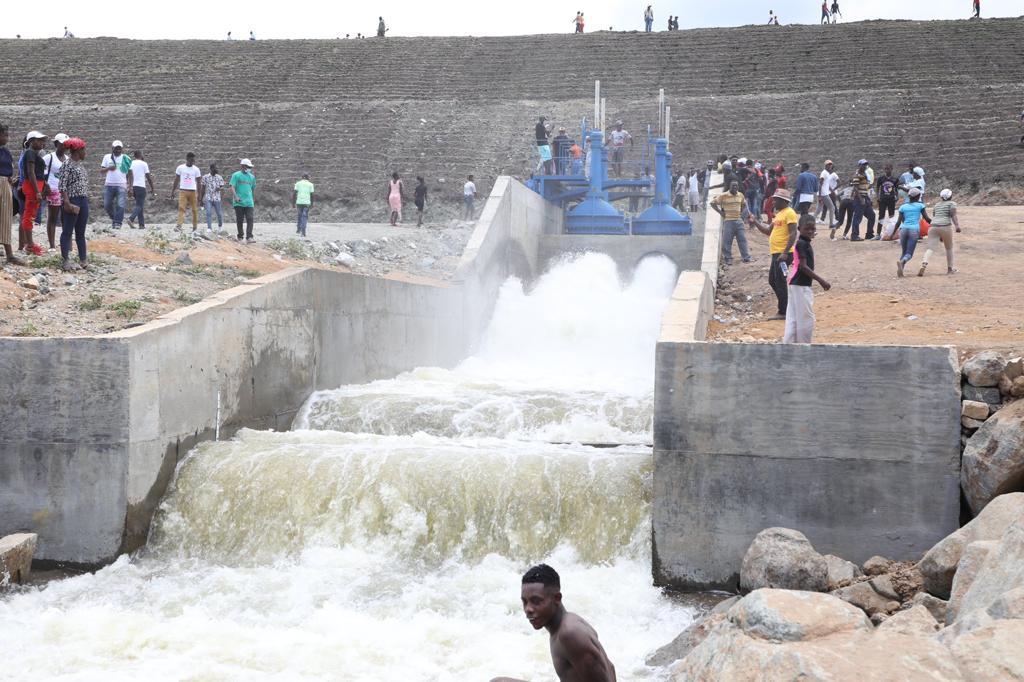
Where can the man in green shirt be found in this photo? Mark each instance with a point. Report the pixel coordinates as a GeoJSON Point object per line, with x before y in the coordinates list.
{"type": "Point", "coordinates": [243, 183]}
{"type": "Point", "coordinates": [302, 199]}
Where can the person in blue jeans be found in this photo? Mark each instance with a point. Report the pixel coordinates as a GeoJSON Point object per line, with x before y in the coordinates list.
{"type": "Point", "coordinates": [74, 191]}
{"type": "Point", "coordinates": [302, 199]}
{"type": "Point", "coordinates": [909, 224]}
{"type": "Point", "coordinates": [210, 197]}
{"type": "Point", "coordinates": [648, 19]}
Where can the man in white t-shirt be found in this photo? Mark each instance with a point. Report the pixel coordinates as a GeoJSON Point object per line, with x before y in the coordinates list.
{"type": "Point", "coordinates": [138, 176]}
{"type": "Point", "coordinates": [694, 190]}
{"type": "Point", "coordinates": [53, 162]}
{"type": "Point", "coordinates": [828, 182]}
{"type": "Point", "coordinates": [115, 167]}
{"type": "Point", "coordinates": [186, 179]}
{"type": "Point", "coordinates": [682, 187]}
{"type": "Point", "coordinates": [468, 195]}
{"type": "Point", "coordinates": [618, 139]}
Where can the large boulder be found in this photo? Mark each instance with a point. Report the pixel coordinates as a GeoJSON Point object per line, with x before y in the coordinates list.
{"type": "Point", "coordinates": [993, 461]}
{"type": "Point", "coordinates": [917, 620]}
{"type": "Point", "coordinates": [974, 557]}
{"type": "Point", "coordinates": [784, 635]}
{"type": "Point", "coordinates": [686, 641]}
{"type": "Point", "coordinates": [783, 558]}
{"type": "Point", "coordinates": [1001, 572]}
{"type": "Point", "coordinates": [937, 607]}
{"type": "Point", "coordinates": [984, 369]}
{"type": "Point", "coordinates": [840, 571]}
{"type": "Point", "coordinates": [939, 565]}
{"type": "Point", "coordinates": [992, 652]}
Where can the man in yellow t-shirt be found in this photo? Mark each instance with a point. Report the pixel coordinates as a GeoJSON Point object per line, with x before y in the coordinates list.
{"type": "Point", "coordinates": [732, 206]}
{"type": "Point", "coordinates": [781, 237]}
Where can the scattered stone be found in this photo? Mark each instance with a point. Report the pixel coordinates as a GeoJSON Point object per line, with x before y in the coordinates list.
{"type": "Point", "coordinates": [686, 641]}
{"type": "Point", "coordinates": [871, 596]}
{"type": "Point", "coordinates": [876, 565]}
{"type": "Point", "coordinates": [989, 395]}
{"type": "Point", "coordinates": [783, 558]}
{"type": "Point", "coordinates": [1013, 388]}
{"type": "Point", "coordinates": [16, 557]}
{"type": "Point", "coordinates": [840, 571]}
{"type": "Point", "coordinates": [984, 369]}
{"type": "Point", "coordinates": [972, 424]}
{"type": "Point", "coordinates": [346, 259]}
{"type": "Point", "coordinates": [1014, 368]}
{"type": "Point", "coordinates": [974, 557]}
{"type": "Point", "coordinates": [974, 410]}
{"type": "Point", "coordinates": [916, 620]}
{"type": "Point", "coordinates": [183, 259]}
{"type": "Point", "coordinates": [993, 461]}
{"type": "Point", "coordinates": [939, 564]}
{"type": "Point", "coordinates": [935, 606]}
{"type": "Point", "coordinates": [992, 652]}
{"type": "Point", "coordinates": [70, 281]}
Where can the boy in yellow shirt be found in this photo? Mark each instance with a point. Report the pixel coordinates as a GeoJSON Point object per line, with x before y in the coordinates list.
{"type": "Point", "coordinates": [781, 237]}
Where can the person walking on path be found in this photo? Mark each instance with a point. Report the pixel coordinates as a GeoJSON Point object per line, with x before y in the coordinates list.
{"type": "Point", "coordinates": [420, 199]}
{"type": "Point", "coordinates": [806, 188]}
{"type": "Point", "coordinates": [7, 182]}
{"type": "Point", "coordinates": [773, 18]}
{"type": "Point", "coordinates": [395, 198]}
{"type": "Point", "coordinates": [138, 177]}
{"type": "Point", "coordinates": [909, 225]}
{"type": "Point", "coordinates": [210, 186]}
{"type": "Point", "coordinates": [648, 19]}
{"type": "Point", "coordinates": [732, 206]}
{"type": "Point", "coordinates": [468, 196]}
{"type": "Point", "coordinates": [835, 10]}
{"type": "Point", "coordinates": [74, 192]}
{"type": "Point", "coordinates": [115, 166]}
{"type": "Point", "coordinates": [800, 303]}
{"type": "Point", "coordinates": [243, 196]}
{"type": "Point", "coordinates": [302, 199]}
{"type": "Point", "coordinates": [977, 9]}
{"type": "Point", "coordinates": [781, 237]}
{"type": "Point", "coordinates": [186, 183]}
{"type": "Point", "coordinates": [54, 161]}
{"type": "Point", "coordinates": [828, 181]}
{"type": "Point", "coordinates": [33, 187]}
{"type": "Point", "coordinates": [944, 219]}
{"type": "Point", "coordinates": [825, 16]}
{"type": "Point", "coordinates": [381, 29]}
{"type": "Point", "coordinates": [578, 21]}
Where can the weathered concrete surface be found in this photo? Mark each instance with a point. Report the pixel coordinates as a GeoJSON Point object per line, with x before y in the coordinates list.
{"type": "Point", "coordinates": [16, 557]}
{"type": "Point", "coordinates": [712, 249]}
{"type": "Point", "coordinates": [690, 309]}
{"type": "Point", "coordinates": [857, 447]}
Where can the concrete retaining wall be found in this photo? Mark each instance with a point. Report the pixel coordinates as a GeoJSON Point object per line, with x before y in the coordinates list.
{"type": "Point", "coordinates": [855, 446]}
{"type": "Point", "coordinates": [94, 426]}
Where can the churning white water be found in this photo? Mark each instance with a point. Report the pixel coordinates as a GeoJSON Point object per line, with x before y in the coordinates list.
{"type": "Point", "coordinates": [385, 536]}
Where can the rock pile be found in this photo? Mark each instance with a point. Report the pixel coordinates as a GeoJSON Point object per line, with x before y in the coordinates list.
{"type": "Point", "coordinates": [958, 614]}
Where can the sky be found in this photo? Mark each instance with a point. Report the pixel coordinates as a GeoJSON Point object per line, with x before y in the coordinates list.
{"type": "Point", "coordinates": [333, 19]}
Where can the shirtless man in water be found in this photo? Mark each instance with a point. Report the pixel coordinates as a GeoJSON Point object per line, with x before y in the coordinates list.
{"type": "Point", "coordinates": [575, 649]}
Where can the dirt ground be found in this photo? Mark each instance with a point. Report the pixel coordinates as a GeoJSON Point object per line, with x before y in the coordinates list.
{"type": "Point", "coordinates": [138, 275]}
{"type": "Point", "coordinates": [980, 307]}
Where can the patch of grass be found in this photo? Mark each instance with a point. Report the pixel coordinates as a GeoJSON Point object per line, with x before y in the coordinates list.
{"type": "Point", "coordinates": [51, 261]}
{"type": "Point", "coordinates": [126, 309]}
{"type": "Point", "coordinates": [294, 248]}
{"type": "Point", "coordinates": [182, 296]}
{"type": "Point", "coordinates": [246, 272]}
{"type": "Point", "coordinates": [28, 330]}
{"type": "Point", "coordinates": [93, 302]}
{"type": "Point", "coordinates": [156, 241]}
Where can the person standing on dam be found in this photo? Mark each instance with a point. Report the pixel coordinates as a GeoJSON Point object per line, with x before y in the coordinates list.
{"type": "Point", "coordinates": [138, 177]}
{"type": "Point", "coordinates": [541, 132]}
{"type": "Point", "coordinates": [977, 9]}
{"type": "Point", "coordinates": [186, 184]}
{"type": "Point", "coordinates": [732, 206]}
{"type": "Point", "coordinates": [781, 237]}
{"type": "Point", "coordinates": [115, 167]}
{"type": "Point", "coordinates": [210, 185]}
{"type": "Point", "coordinates": [243, 187]}
{"type": "Point", "coordinates": [468, 197]}
{"type": "Point", "coordinates": [302, 201]}
{"type": "Point", "coordinates": [648, 19]}
{"type": "Point", "coordinates": [800, 305]}
{"type": "Point", "coordinates": [419, 197]}
{"type": "Point", "coordinates": [576, 650]}
{"type": "Point", "coordinates": [395, 197]}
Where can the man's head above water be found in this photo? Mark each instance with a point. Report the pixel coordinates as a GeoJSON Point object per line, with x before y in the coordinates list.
{"type": "Point", "coordinates": [542, 596]}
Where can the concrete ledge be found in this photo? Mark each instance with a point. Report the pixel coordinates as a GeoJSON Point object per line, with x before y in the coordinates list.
{"type": "Point", "coordinates": [16, 557]}
{"type": "Point", "coordinates": [855, 446]}
{"type": "Point", "coordinates": [712, 250]}
{"type": "Point", "coordinates": [689, 310]}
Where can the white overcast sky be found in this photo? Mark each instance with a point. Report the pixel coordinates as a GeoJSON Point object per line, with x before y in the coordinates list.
{"type": "Point", "coordinates": [331, 18]}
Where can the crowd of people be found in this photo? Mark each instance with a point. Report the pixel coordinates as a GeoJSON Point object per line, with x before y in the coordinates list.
{"type": "Point", "coordinates": [891, 208]}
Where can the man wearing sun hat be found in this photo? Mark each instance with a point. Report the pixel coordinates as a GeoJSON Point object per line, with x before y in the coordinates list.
{"type": "Point", "coordinates": [781, 237]}
{"type": "Point", "coordinates": [243, 184]}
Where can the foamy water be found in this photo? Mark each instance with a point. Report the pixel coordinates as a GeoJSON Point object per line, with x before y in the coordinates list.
{"type": "Point", "coordinates": [384, 538]}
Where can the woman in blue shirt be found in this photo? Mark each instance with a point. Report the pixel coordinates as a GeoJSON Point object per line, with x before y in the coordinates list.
{"type": "Point", "coordinates": [909, 225]}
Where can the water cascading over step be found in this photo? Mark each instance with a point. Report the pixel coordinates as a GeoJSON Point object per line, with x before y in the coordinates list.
{"type": "Point", "coordinates": [384, 536]}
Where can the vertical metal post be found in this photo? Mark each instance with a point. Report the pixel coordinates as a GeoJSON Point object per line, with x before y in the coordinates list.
{"type": "Point", "coordinates": [661, 112]}
{"type": "Point", "coordinates": [597, 101]}
{"type": "Point", "coordinates": [604, 112]}
{"type": "Point", "coordinates": [668, 125]}
{"type": "Point", "coordinates": [216, 428]}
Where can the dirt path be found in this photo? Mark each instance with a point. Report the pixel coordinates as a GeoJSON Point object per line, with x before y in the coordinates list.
{"type": "Point", "coordinates": [980, 307]}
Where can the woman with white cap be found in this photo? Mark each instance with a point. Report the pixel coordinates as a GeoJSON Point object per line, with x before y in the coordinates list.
{"type": "Point", "coordinates": [944, 219]}
{"type": "Point", "coordinates": [908, 223]}
{"type": "Point", "coordinates": [33, 188]}
{"type": "Point", "coordinates": [53, 162]}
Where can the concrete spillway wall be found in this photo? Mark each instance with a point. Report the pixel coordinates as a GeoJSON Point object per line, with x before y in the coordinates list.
{"type": "Point", "coordinates": [94, 426]}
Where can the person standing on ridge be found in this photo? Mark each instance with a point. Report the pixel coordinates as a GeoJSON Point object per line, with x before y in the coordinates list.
{"type": "Point", "coordinates": [578, 22]}
{"type": "Point", "coordinates": [648, 19]}
{"type": "Point", "coordinates": [138, 177]}
{"type": "Point", "coordinates": [186, 183]}
{"type": "Point", "coordinates": [302, 199]}
{"type": "Point", "coordinates": [229, 36]}
{"type": "Point", "coordinates": [800, 305]}
{"type": "Point", "coordinates": [54, 162]}
{"type": "Point", "coordinates": [773, 18]}
{"type": "Point", "coordinates": [835, 10]}
{"type": "Point", "coordinates": [576, 650]}
{"type": "Point", "coordinates": [252, 36]}
{"type": "Point", "coordinates": [977, 9]}
{"type": "Point", "coordinates": [395, 197]}
{"type": "Point", "coordinates": [115, 167]}
{"type": "Point", "coordinates": [781, 238]}
{"type": "Point", "coordinates": [825, 16]}
{"type": "Point", "coordinates": [420, 199]}
{"type": "Point", "coordinates": [243, 188]}
{"type": "Point", "coordinates": [210, 197]}
{"type": "Point", "coordinates": [7, 183]}
{"type": "Point", "coordinates": [381, 29]}
{"type": "Point", "coordinates": [468, 196]}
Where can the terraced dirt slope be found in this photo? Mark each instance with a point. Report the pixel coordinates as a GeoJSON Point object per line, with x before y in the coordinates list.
{"type": "Point", "coordinates": [351, 111]}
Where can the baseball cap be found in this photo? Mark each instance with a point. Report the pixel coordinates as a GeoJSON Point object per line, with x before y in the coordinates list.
{"type": "Point", "coordinates": [246, 162]}
{"type": "Point", "coordinates": [61, 137]}
{"type": "Point", "coordinates": [117, 143]}
{"type": "Point", "coordinates": [862, 162]}
{"type": "Point", "coordinates": [35, 135]}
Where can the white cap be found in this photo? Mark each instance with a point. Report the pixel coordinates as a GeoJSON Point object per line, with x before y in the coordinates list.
{"type": "Point", "coordinates": [117, 143]}
{"type": "Point", "coordinates": [35, 135]}
{"type": "Point", "coordinates": [919, 171]}
{"type": "Point", "coordinates": [946, 194]}
{"type": "Point", "coordinates": [246, 162]}
{"type": "Point", "coordinates": [61, 137]}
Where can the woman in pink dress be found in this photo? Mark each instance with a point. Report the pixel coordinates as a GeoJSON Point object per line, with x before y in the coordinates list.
{"type": "Point", "coordinates": [395, 198]}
